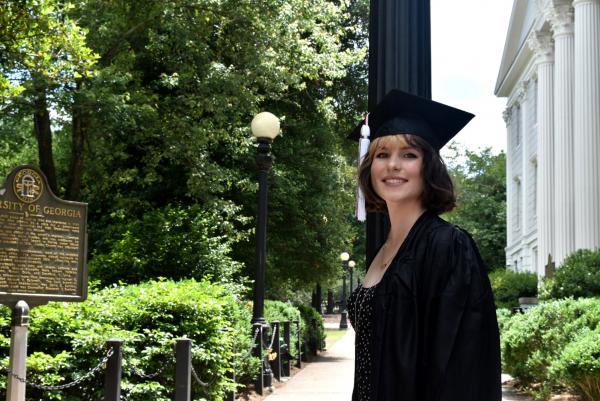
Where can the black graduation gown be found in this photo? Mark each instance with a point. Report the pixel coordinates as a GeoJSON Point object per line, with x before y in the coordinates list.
{"type": "Point", "coordinates": [436, 333]}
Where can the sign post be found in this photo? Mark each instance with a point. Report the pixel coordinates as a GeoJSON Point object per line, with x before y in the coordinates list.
{"type": "Point", "coordinates": [43, 246]}
{"type": "Point", "coordinates": [15, 389]}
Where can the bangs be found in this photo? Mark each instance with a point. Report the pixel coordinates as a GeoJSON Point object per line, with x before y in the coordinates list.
{"type": "Point", "coordinates": [389, 140]}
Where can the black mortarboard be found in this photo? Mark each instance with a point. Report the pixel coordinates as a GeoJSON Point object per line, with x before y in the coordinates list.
{"type": "Point", "coordinates": [403, 113]}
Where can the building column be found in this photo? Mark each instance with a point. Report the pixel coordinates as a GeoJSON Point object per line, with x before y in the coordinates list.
{"type": "Point", "coordinates": [541, 44]}
{"type": "Point", "coordinates": [561, 19]}
{"type": "Point", "coordinates": [507, 116]}
{"type": "Point", "coordinates": [587, 123]}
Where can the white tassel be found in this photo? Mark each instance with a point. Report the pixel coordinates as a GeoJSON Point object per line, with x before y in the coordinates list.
{"type": "Point", "coordinates": [363, 148]}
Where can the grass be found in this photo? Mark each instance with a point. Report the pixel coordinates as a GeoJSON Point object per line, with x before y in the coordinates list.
{"type": "Point", "coordinates": [332, 336]}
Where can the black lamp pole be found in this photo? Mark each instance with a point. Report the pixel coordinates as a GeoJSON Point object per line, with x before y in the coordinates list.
{"type": "Point", "coordinates": [344, 319]}
{"type": "Point", "coordinates": [264, 162]}
{"type": "Point", "coordinates": [399, 58]}
{"type": "Point", "coordinates": [265, 127]}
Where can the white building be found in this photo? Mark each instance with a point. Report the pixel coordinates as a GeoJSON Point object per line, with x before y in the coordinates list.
{"type": "Point", "coordinates": [550, 73]}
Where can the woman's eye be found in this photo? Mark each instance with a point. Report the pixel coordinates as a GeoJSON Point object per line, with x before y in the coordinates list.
{"type": "Point", "coordinates": [410, 155]}
{"type": "Point", "coordinates": [380, 155]}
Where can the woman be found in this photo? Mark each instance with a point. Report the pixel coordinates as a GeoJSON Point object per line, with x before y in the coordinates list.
{"type": "Point", "coordinates": [424, 316]}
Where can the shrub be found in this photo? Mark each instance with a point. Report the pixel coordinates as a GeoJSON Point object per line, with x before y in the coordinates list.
{"type": "Point", "coordinates": [531, 342]}
{"type": "Point", "coordinates": [508, 286]}
{"type": "Point", "coordinates": [313, 332]}
{"type": "Point", "coordinates": [68, 339]}
{"type": "Point", "coordinates": [578, 366]}
{"type": "Point", "coordinates": [282, 311]}
{"type": "Point", "coordinates": [578, 276]}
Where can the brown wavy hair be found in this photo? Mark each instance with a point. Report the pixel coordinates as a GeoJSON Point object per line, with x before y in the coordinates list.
{"type": "Point", "coordinates": [438, 190]}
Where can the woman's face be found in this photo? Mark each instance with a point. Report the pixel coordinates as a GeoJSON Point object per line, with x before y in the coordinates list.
{"type": "Point", "coordinates": [396, 171]}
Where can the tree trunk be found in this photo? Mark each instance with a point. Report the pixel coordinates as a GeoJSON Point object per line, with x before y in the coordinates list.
{"type": "Point", "coordinates": [319, 299]}
{"type": "Point", "coordinates": [79, 133]}
{"type": "Point", "coordinates": [330, 302]}
{"type": "Point", "coordinates": [43, 133]}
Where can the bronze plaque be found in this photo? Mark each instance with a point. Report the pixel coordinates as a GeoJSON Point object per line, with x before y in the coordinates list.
{"type": "Point", "coordinates": [43, 242]}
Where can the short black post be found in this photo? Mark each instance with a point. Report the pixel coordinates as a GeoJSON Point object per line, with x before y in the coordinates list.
{"type": "Point", "coordinates": [298, 344]}
{"type": "Point", "coordinates": [276, 363]}
{"type": "Point", "coordinates": [257, 332]}
{"type": "Point", "coordinates": [285, 363]}
{"type": "Point", "coordinates": [112, 378]}
{"type": "Point", "coordinates": [183, 369]}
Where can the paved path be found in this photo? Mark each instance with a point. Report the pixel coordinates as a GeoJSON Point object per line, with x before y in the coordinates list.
{"type": "Point", "coordinates": [330, 377]}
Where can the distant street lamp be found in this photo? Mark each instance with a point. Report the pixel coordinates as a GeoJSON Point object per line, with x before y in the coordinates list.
{"type": "Point", "coordinates": [265, 127]}
{"type": "Point", "coordinates": [351, 265]}
{"type": "Point", "coordinates": [344, 256]}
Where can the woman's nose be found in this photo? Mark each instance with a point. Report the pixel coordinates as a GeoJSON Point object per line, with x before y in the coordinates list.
{"type": "Point", "coordinates": [394, 163]}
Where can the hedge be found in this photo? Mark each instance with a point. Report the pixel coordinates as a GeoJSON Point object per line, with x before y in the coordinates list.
{"type": "Point", "coordinates": [66, 340]}
{"type": "Point", "coordinates": [578, 276]}
{"type": "Point", "coordinates": [555, 344]}
{"type": "Point", "coordinates": [508, 286]}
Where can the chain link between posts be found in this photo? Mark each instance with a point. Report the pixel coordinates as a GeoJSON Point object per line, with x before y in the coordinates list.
{"type": "Point", "coordinates": [134, 369]}
{"type": "Point", "coordinates": [143, 375]}
{"type": "Point", "coordinates": [270, 346]}
{"type": "Point", "coordinates": [65, 386]}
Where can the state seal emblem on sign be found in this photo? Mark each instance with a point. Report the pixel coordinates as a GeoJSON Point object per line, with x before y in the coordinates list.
{"type": "Point", "coordinates": [28, 185]}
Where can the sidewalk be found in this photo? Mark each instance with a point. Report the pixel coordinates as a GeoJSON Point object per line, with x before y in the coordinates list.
{"type": "Point", "coordinates": [330, 377]}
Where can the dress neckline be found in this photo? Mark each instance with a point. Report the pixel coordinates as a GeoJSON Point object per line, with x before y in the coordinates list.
{"type": "Point", "coordinates": [402, 248]}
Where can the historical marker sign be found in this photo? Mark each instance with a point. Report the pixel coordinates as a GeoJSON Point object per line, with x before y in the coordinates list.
{"type": "Point", "coordinates": [43, 242]}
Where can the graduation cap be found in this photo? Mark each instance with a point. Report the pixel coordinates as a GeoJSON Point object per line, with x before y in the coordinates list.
{"type": "Point", "coordinates": [403, 113]}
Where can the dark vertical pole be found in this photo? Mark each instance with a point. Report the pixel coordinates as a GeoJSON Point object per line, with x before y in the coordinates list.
{"type": "Point", "coordinates": [258, 352]}
{"type": "Point", "coordinates": [276, 363]}
{"type": "Point", "coordinates": [330, 302]}
{"type": "Point", "coordinates": [344, 319]}
{"type": "Point", "coordinates": [183, 369]}
{"type": "Point", "coordinates": [399, 58]}
{"type": "Point", "coordinates": [287, 340]}
{"type": "Point", "coordinates": [319, 302]}
{"type": "Point", "coordinates": [112, 380]}
{"type": "Point", "coordinates": [298, 344]}
{"type": "Point", "coordinates": [264, 162]}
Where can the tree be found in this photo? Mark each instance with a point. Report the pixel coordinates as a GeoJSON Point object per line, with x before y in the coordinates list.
{"type": "Point", "coordinates": [43, 52]}
{"type": "Point", "coordinates": [480, 180]}
{"type": "Point", "coordinates": [180, 82]}
{"type": "Point", "coordinates": [163, 127]}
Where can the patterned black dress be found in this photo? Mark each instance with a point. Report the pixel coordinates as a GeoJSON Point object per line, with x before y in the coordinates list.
{"type": "Point", "coordinates": [362, 318]}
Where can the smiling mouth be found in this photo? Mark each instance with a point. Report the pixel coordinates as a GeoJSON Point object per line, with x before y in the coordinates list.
{"type": "Point", "coordinates": [394, 180]}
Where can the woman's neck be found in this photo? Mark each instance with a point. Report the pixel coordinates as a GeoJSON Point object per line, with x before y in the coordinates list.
{"type": "Point", "coordinates": [402, 218]}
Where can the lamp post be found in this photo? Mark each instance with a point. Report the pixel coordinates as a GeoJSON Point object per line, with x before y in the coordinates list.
{"type": "Point", "coordinates": [344, 256]}
{"type": "Point", "coordinates": [265, 127]}
{"type": "Point", "coordinates": [351, 265]}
